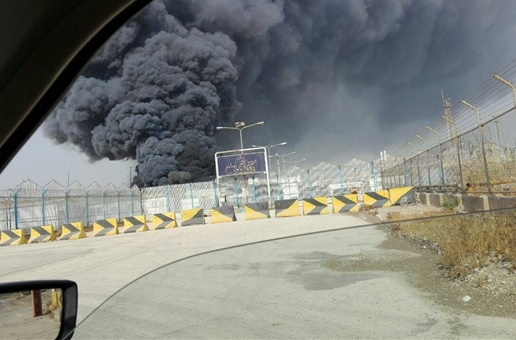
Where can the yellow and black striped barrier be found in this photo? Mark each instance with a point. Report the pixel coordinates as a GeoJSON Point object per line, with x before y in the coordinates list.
{"type": "Point", "coordinates": [135, 224]}
{"type": "Point", "coordinates": [12, 237]}
{"type": "Point", "coordinates": [345, 203]}
{"type": "Point", "coordinates": [166, 220]}
{"type": "Point", "coordinates": [404, 195]}
{"type": "Point", "coordinates": [72, 231]}
{"type": "Point", "coordinates": [315, 206]}
{"type": "Point", "coordinates": [256, 211]}
{"type": "Point", "coordinates": [378, 199]}
{"type": "Point", "coordinates": [42, 234]}
{"type": "Point", "coordinates": [192, 217]}
{"type": "Point", "coordinates": [223, 214]}
{"type": "Point", "coordinates": [287, 208]}
{"type": "Point", "coordinates": [105, 227]}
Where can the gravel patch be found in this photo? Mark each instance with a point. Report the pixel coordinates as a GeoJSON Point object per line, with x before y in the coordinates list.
{"type": "Point", "coordinates": [488, 291]}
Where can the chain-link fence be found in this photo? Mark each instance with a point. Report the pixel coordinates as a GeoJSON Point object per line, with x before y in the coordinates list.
{"type": "Point", "coordinates": [30, 205]}
{"type": "Point", "coordinates": [471, 147]}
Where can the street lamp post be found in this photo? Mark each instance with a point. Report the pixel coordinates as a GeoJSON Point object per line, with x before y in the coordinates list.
{"type": "Point", "coordinates": [268, 156]}
{"type": "Point", "coordinates": [452, 123]}
{"type": "Point", "coordinates": [268, 148]}
{"type": "Point", "coordinates": [239, 126]}
{"type": "Point", "coordinates": [282, 161]}
{"type": "Point", "coordinates": [427, 160]}
{"type": "Point", "coordinates": [440, 153]}
{"type": "Point", "coordinates": [486, 167]}
{"type": "Point", "coordinates": [278, 175]}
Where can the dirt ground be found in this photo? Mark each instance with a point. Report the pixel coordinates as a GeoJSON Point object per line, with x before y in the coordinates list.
{"type": "Point", "coordinates": [17, 322]}
{"type": "Point", "coordinates": [491, 290]}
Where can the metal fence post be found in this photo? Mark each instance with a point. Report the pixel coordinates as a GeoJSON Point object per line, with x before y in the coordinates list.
{"type": "Point", "coordinates": [236, 193]}
{"type": "Point", "coordinates": [309, 183]}
{"type": "Point", "coordinates": [481, 128]}
{"type": "Point", "coordinates": [254, 190]}
{"type": "Point", "coordinates": [104, 203]}
{"type": "Point", "coordinates": [486, 166]}
{"type": "Point", "coordinates": [141, 202]}
{"type": "Point", "coordinates": [43, 219]}
{"type": "Point", "coordinates": [459, 148]}
{"type": "Point", "coordinates": [132, 203]}
{"type": "Point", "coordinates": [442, 165]}
{"type": "Point", "coordinates": [190, 186]}
{"type": "Point", "coordinates": [168, 198]}
{"type": "Point", "coordinates": [340, 180]}
{"type": "Point", "coordinates": [215, 196]}
{"type": "Point", "coordinates": [118, 205]}
{"type": "Point", "coordinates": [397, 174]}
{"type": "Point", "coordinates": [373, 173]}
{"type": "Point", "coordinates": [86, 197]}
{"type": "Point", "coordinates": [67, 216]}
{"type": "Point", "coordinates": [16, 217]}
{"type": "Point", "coordinates": [277, 187]}
{"type": "Point", "coordinates": [418, 170]}
{"type": "Point", "coordinates": [458, 144]}
{"type": "Point", "coordinates": [411, 179]}
{"type": "Point", "coordinates": [405, 173]}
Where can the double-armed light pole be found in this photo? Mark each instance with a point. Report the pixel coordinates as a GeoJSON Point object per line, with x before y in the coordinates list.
{"type": "Point", "coordinates": [282, 160]}
{"type": "Point", "coordinates": [268, 148]}
{"type": "Point", "coordinates": [240, 126]}
{"type": "Point", "coordinates": [268, 155]}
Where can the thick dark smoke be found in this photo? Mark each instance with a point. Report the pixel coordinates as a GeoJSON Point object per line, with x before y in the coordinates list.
{"type": "Point", "coordinates": [346, 77]}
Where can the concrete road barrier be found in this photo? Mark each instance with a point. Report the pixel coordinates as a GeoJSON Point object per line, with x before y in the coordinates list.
{"type": "Point", "coordinates": [42, 234]}
{"type": "Point", "coordinates": [107, 227]}
{"type": "Point", "coordinates": [166, 220]}
{"type": "Point", "coordinates": [135, 224]}
{"type": "Point", "coordinates": [12, 237]}
{"type": "Point", "coordinates": [72, 231]}
{"type": "Point", "coordinates": [315, 206]}
{"type": "Point", "coordinates": [257, 211]}
{"type": "Point", "coordinates": [223, 214]}
{"type": "Point", "coordinates": [192, 217]}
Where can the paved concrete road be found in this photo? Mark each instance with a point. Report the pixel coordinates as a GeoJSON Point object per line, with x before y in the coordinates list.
{"type": "Point", "coordinates": [101, 266]}
{"type": "Point", "coordinates": [284, 289]}
{"type": "Point", "coordinates": [277, 289]}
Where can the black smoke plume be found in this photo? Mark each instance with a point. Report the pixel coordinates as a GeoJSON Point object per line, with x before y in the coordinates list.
{"type": "Point", "coordinates": [322, 74]}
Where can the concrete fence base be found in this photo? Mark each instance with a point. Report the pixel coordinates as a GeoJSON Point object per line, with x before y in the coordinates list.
{"type": "Point", "coordinates": [471, 203]}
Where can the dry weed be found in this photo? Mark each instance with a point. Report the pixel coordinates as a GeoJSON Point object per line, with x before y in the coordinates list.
{"type": "Point", "coordinates": [467, 241]}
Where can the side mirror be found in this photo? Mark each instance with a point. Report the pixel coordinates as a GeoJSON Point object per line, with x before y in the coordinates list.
{"type": "Point", "coordinates": [38, 309]}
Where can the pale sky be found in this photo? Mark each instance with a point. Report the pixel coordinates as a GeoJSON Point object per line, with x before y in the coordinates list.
{"type": "Point", "coordinates": [329, 102]}
{"type": "Point", "coordinates": [42, 161]}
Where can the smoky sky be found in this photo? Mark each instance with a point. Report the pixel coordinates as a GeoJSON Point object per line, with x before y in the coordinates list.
{"type": "Point", "coordinates": [335, 79]}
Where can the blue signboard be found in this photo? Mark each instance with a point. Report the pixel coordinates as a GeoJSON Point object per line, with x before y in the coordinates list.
{"type": "Point", "coordinates": [241, 164]}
